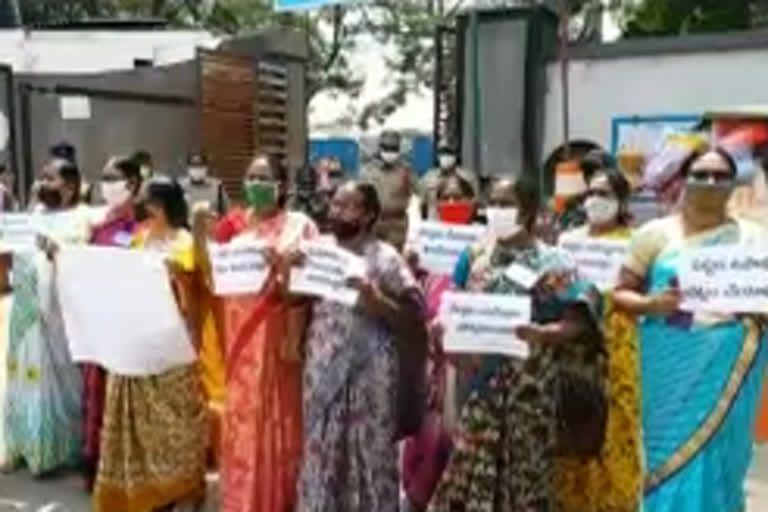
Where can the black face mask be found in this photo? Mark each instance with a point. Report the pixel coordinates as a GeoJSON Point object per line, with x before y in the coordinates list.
{"type": "Point", "coordinates": [50, 197]}
{"type": "Point", "coordinates": [344, 229]}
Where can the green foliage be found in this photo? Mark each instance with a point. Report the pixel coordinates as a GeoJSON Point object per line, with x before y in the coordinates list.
{"type": "Point", "coordinates": [673, 17]}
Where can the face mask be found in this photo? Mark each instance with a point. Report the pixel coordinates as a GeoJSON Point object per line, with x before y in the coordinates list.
{"type": "Point", "coordinates": [260, 195]}
{"type": "Point", "coordinates": [502, 222]}
{"type": "Point", "coordinates": [707, 196]}
{"type": "Point", "coordinates": [389, 157]}
{"type": "Point", "coordinates": [115, 193]}
{"type": "Point", "coordinates": [197, 173]}
{"type": "Point", "coordinates": [50, 197]}
{"type": "Point", "coordinates": [447, 161]}
{"type": "Point", "coordinates": [601, 210]}
{"type": "Point", "coordinates": [344, 229]}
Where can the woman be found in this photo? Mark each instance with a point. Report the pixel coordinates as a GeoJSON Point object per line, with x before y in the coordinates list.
{"type": "Point", "coordinates": [504, 452]}
{"type": "Point", "coordinates": [154, 435]}
{"type": "Point", "coordinates": [43, 403]}
{"type": "Point", "coordinates": [350, 376]}
{"type": "Point", "coordinates": [120, 182]}
{"type": "Point", "coordinates": [613, 481]}
{"type": "Point", "coordinates": [425, 455]}
{"type": "Point", "coordinates": [261, 334]}
{"type": "Point", "coordinates": [701, 374]}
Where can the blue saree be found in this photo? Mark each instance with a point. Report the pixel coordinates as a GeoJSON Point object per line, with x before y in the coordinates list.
{"type": "Point", "coordinates": [701, 387]}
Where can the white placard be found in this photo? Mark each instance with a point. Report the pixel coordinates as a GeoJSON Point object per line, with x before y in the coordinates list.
{"type": "Point", "coordinates": [325, 272]}
{"type": "Point", "coordinates": [725, 279]}
{"type": "Point", "coordinates": [482, 323]}
{"type": "Point", "coordinates": [75, 107]}
{"type": "Point", "coordinates": [120, 311]}
{"type": "Point", "coordinates": [440, 244]}
{"type": "Point", "coordinates": [238, 268]}
{"type": "Point", "coordinates": [597, 260]}
{"type": "Point", "coordinates": [18, 231]}
{"type": "Point", "coordinates": [521, 275]}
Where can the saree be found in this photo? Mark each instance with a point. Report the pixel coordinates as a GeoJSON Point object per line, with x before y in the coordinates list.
{"type": "Point", "coordinates": [613, 481]}
{"type": "Point", "coordinates": [115, 230]}
{"type": "Point", "coordinates": [701, 383]}
{"type": "Point", "coordinates": [504, 447]}
{"type": "Point", "coordinates": [262, 416]}
{"type": "Point", "coordinates": [350, 399]}
{"type": "Point", "coordinates": [154, 434]}
{"type": "Point", "coordinates": [43, 403]}
{"type": "Point", "coordinates": [5, 307]}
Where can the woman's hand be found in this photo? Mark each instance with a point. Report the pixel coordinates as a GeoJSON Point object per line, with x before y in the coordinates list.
{"type": "Point", "coordinates": [371, 296]}
{"type": "Point", "coordinates": [665, 303]}
{"type": "Point", "coordinates": [562, 331]}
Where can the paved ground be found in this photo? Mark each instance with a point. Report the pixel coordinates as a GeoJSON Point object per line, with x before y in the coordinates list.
{"type": "Point", "coordinates": [20, 493]}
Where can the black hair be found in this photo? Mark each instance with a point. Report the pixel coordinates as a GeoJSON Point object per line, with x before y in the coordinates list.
{"type": "Point", "coordinates": [594, 161]}
{"type": "Point", "coordinates": [130, 169]}
{"type": "Point", "coordinates": [142, 157]}
{"type": "Point", "coordinates": [70, 174]}
{"type": "Point", "coordinates": [464, 185]}
{"type": "Point", "coordinates": [3, 167]}
{"type": "Point", "coordinates": [197, 156]}
{"type": "Point", "coordinates": [371, 201]}
{"type": "Point", "coordinates": [168, 194]}
{"type": "Point", "coordinates": [527, 195]}
{"type": "Point", "coordinates": [65, 151]}
{"type": "Point", "coordinates": [697, 153]}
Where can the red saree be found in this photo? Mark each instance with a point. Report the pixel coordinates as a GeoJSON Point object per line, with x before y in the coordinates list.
{"type": "Point", "coordinates": [262, 419]}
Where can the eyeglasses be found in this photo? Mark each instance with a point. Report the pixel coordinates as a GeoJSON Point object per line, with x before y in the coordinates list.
{"type": "Point", "coordinates": [716, 176]}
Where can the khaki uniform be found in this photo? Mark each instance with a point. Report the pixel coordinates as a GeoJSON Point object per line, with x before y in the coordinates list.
{"type": "Point", "coordinates": [431, 181]}
{"type": "Point", "coordinates": [395, 185]}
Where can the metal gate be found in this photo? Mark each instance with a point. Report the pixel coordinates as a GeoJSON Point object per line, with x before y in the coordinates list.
{"type": "Point", "coordinates": [243, 112]}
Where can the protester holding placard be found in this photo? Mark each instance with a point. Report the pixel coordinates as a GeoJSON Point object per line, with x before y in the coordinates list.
{"type": "Point", "coordinates": [43, 404]}
{"type": "Point", "coordinates": [511, 408]}
{"type": "Point", "coordinates": [701, 373]}
{"type": "Point", "coordinates": [612, 482]}
{"type": "Point", "coordinates": [261, 334]}
{"type": "Point", "coordinates": [120, 183]}
{"type": "Point", "coordinates": [351, 400]}
{"type": "Point", "coordinates": [150, 459]}
{"type": "Point", "coordinates": [425, 455]}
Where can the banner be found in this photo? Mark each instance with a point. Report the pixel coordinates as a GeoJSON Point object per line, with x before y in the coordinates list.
{"type": "Point", "coordinates": [726, 279]}
{"type": "Point", "coordinates": [305, 5]}
{"type": "Point", "coordinates": [238, 268]}
{"type": "Point", "coordinates": [439, 244]}
{"type": "Point", "coordinates": [120, 311]}
{"type": "Point", "coordinates": [596, 260]}
{"type": "Point", "coordinates": [482, 323]}
{"type": "Point", "coordinates": [325, 272]}
{"type": "Point", "coordinates": [18, 231]}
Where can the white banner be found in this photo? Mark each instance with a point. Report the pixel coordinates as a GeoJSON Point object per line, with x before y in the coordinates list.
{"type": "Point", "coordinates": [596, 260]}
{"type": "Point", "coordinates": [439, 244]}
{"type": "Point", "coordinates": [120, 311]}
{"type": "Point", "coordinates": [725, 279]}
{"type": "Point", "coordinates": [482, 323]}
{"type": "Point", "coordinates": [238, 268]}
{"type": "Point", "coordinates": [325, 272]}
{"type": "Point", "coordinates": [18, 231]}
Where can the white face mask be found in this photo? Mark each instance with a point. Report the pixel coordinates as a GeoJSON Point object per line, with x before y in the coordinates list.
{"type": "Point", "coordinates": [389, 157]}
{"type": "Point", "coordinates": [502, 222]}
{"type": "Point", "coordinates": [115, 193]}
{"type": "Point", "coordinates": [197, 173]}
{"type": "Point", "coordinates": [601, 210]}
{"type": "Point", "coordinates": [447, 161]}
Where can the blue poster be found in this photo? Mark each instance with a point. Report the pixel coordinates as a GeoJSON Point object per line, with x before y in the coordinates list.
{"type": "Point", "coordinates": [302, 5]}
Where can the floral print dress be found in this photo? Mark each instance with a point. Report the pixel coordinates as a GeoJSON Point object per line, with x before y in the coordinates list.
{"type": "Point", "coordinates": [506, 441]}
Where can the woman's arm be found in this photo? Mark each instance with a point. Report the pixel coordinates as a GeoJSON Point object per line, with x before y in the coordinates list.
{"type": "Point", "coordinates": [630, 297]}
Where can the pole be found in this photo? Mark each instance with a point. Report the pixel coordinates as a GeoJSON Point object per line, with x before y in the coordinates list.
{"type": "Point", "coordinates": [565, 78]}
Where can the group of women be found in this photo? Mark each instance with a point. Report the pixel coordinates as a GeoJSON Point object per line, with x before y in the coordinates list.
{"type": "Point", "coordinates": [305, 396]}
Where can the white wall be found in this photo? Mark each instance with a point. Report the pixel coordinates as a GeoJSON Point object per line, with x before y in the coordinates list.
{"type": "Point", "coordinates": [602, 89]}
{"type": "Point", "coordinates": [50, 51]}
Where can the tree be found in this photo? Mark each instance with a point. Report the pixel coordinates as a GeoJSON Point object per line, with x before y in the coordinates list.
{"type": "Point", "coordinates": [673, 17]}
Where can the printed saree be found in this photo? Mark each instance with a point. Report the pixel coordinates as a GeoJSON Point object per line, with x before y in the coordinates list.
{"type": "Point", "coordinates": [262, 416]}
{"type": "Point", "coordinates": [154, 434]}
{"type": "Point", "coordinates": [613, 481]}
{"type": "Point", "coordinates": [701, 384]}
{"type": "Point", "coordinates": [43, 403]}
{"type": "Point", "coordinates": [504, 453]}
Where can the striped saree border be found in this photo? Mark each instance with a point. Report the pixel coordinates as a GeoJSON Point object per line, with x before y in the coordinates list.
{"type": "Point", "coordinates": [714, 421]}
